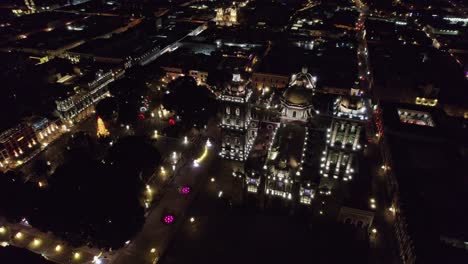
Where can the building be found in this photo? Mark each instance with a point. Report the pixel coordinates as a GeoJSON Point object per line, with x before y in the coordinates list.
{"type": "Point", "coordinates": [226, 16]}
{"type": "Point", "coordinates": [46, 130]}
{"type": "Point", "coordinates": [17, 143]}
{"type": "Point", "coordinates": [264, 80]}
{"type": "Point", "coordinates": [199, 76]}
{"type": "Point", "coordinates": [82, 103]}
{"type": "Point", "coordinates": [285, 161]}
{"type": "Point", "coordinates": [296, 100]}
{"type": "Point", "coordinates": [278, 138]}
{"type": "Point", "coordinates": [425, 171]}
{"type": "Point", "coordinates": [237, 135]}
{"type": "Point", "coordinates": [294, 152]}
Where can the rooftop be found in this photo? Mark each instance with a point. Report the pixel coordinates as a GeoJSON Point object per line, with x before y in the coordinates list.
{"type": "Point", "coordinates": [288, 146]}
{"type": "Point", "coordinates": [428, 164]}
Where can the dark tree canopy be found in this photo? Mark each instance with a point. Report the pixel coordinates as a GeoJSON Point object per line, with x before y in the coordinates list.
{"type": "Point", "coordinates": [136, 155]}
{"type": "Point", "coordinates": [17, 197]}
{"type": "Point", "coordinates": [107, 109]}
{"type": "Point", "coordinates": [194, 104]}
{"type": "Point", "coordinates": [41, 168]}
{"type": "Point", "coordinates": [127, 92]}
{"type": "Point", "coordinates": [87, 201]}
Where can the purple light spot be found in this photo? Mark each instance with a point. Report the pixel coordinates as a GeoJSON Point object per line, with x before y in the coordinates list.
{"type": "Point", "coordinates": [168, 219]}
{"type": "Point", "coordinates": [185, 190]}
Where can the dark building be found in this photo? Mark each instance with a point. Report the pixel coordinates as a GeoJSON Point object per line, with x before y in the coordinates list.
{"type": "Point", "coordinates": [425, 169]}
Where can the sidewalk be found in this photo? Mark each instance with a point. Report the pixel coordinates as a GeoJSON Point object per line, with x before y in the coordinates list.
{"type": "Point", "coordinates": [46, 244]}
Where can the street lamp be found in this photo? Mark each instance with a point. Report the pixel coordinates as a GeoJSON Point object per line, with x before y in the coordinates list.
{"type": "Point", "coordinates": [148, 189]}
{"type": "Point", "coordinates": [192, 219]}
{"type": "Point", "coordinates": [37, 242]}
{"type": "Point", "coordinates": [58, 248]}
{"type": "Point", "coordinates": [76, 256]}
{"type": "Point", "coordinates": [2, 230]}
{"type": "Point", "coordinates": [97, 260]}
{"type": "Point", "coordinates": [19, 235]}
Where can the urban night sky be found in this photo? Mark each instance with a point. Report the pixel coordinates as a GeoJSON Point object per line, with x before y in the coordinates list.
{"type": "Point", "coordinates": [233, 131]}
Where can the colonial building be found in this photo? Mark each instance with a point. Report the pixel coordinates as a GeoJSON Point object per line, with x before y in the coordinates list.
{"type": "Point", "coordinates": [226, 16]}
{"type": "Point", "coordinates": [293, 159]}
{"type": "Point", "coordinates": [81, 103]}
{"type": "Point", "coordinates": [16, 143]}
{"type": "Point", "coordinates": [263, 80]}
{"type": "Point", "coordinates": [237, 133]}
{"type": "Point", "coordinates": [297, 99]}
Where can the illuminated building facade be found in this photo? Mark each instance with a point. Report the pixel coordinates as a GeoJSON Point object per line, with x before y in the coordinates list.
{"type": "Point", "coordinates": [226, 16]}
{"type": "Point", "coordinates": [297, 98]}
{"type": "Point", "coordinates": [16, 143]}
{"type": "Point", "coordinates": [236, 132]}
{"type": "Point", "coordinates": [284, 164]}
{"type": "Point", "coordinates": [70, 107]}
{"type": "Point", "coordinates": [352, 107]}
{"type": "Point", "coordinates": [298, 164]}
{"type": "Point", "coordinates": [306, 193]}
{"type": "Point", "coordinates": [30, 5]}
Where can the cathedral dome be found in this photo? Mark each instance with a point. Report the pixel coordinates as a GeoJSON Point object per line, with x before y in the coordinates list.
{"type": "Point", "coordinates": [348, 104]}
{"type": "Point", "coordinates": [297, 95]}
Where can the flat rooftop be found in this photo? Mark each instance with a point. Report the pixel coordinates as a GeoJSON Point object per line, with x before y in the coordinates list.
{"type": "Point", "coordinates": [430, 169]}
{"type": "Point", "coordinates": [333, 66]}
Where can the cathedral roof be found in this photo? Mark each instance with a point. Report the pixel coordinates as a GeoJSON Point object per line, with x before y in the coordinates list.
{"type": "Point", "coordinates": [298, 95]}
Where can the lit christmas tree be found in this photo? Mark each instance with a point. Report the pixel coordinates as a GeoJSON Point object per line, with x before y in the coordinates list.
{"type": "Point", "coordinates": [101, 128]}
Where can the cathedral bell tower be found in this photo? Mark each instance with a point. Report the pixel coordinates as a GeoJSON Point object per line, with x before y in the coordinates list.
{"type": "Point", "coordinates": [235, 119]}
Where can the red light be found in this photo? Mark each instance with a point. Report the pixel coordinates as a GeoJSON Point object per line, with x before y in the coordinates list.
{"type": "Point", "coordinates": [171, 121]}
{"type": "Point", "coordinates": [141, 116]}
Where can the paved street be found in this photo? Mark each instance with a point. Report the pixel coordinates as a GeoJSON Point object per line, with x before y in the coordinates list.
{"type": "Point", "coordinates": [155, 234]}
{"type": "Point", "coordinates": [46, 244]}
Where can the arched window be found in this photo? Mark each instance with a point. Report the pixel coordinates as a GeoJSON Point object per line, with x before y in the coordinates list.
{"type": "Point", "coordinates": [359, 224]}
{"type": "Point", "coordinates": [237, 111]}
{"type": "Point", "coordinates": [294, 114]}
{"type": "Point", "coordinates": [228, 110]}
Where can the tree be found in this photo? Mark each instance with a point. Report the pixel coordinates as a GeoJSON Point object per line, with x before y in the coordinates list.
{"type": "Point", "coordinates": [127, 93]}
{"type": "Point", "coordinates": [135, 155]}
{"type": "Point", "coordinates": [97, 201]}
{"type": "Point", "coordinates": [194, 104]}
{"type": "Point", "coordinates": [102, 131]}
{"type": "Point", "coordinates": [18, 197]}
{"type": "Point", "coordinates": [41, 168]}
{"type": "Point", "coordinates": [107, 109]}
